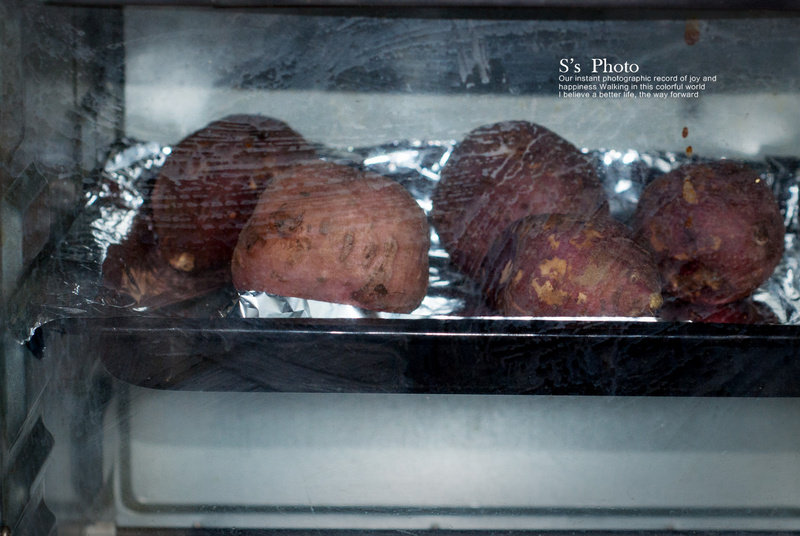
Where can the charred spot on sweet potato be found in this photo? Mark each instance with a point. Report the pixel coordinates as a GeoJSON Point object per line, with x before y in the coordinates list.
{"type": "Point", "coordinates": [346, 247]}
{"type": "Point", "coordinates": [284, 223]}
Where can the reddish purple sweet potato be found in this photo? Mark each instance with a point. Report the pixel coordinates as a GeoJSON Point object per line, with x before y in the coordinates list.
{"type": "Point", "coordinates": [503, 172]}
{"type": "Point", "coordinates": [211, 182]}
{"type": "Point", "coordinates": [561, 265]}
{"type": "Point", "coordinates": [715, 229]}
{"type": "Point", "coordinates": [329, 232]}
{"type": "Point", "coordinates": [135, 272]}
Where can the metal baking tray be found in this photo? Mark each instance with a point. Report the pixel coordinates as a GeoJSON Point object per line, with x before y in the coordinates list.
{"type": "Point", "coordinates": [440, 355]}
{"type": "Point", "coordinates": [199, 345]}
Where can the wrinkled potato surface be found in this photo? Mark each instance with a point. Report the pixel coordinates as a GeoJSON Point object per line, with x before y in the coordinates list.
{"type": "Point", "coordinates": [330, 232]}
{"type": "Point", "coordinates": [503, 172]}
{"type": "Point", "coordinates": [715, 229]}
{"type": "Point", "coordinates": [561, 265]}
{"type": "Point", "coordinates": [210, 183]}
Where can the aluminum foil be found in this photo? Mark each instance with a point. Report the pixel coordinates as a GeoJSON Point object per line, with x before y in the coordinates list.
{"type": "Point", "coordinates": [67, 282]}
{"type": "Point", "coordinates": [70, 281]}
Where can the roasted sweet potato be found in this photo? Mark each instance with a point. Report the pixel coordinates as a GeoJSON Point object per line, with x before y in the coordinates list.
{"type": "Point", "coordinates": [561, 265]}
{"type": "Point", "coordinates": [715, 229]}
{"type": "Point", "coordinates": [333, 233]}
{"type": "Point", "coordinates": [503, 172]}
{"type": "Point", "coordinates": [136, 273]}
{"type": "Point", "coordinates": [210, 183]}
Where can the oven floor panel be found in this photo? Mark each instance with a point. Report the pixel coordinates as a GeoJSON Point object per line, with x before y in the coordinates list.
{"type": "Point", "coordinates": [410, 461]}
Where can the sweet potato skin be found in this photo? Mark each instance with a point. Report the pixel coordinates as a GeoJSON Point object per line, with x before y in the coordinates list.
{"type": "Point", "coordinates": [210, 183]}
{"type": "Point", "coordinates": [561, 265]}
{"type": "Point", "coordinates": [715, 230]}
{"type": "Point", "coordinates": [503, 172]}
{"type": "Point", "coordinates": [330, 232]}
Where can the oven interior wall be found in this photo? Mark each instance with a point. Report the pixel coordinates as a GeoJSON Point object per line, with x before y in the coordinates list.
{"type": "Point", "coordinates": [61, 93]}
{"type": "Point", "coordinates": [358, 80]}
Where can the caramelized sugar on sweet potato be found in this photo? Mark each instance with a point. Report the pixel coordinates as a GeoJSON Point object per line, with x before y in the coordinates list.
{"type": "Point", "coordinates": [561, 265]}
{"type": "Point", "coordinates": [330, 232]}
{"type": "Point", "coordinates": [715, 230]}
{"type": "Point", "coordinates": [211, 182]}
{"type": "Point", "coordinates": [503, 172]}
